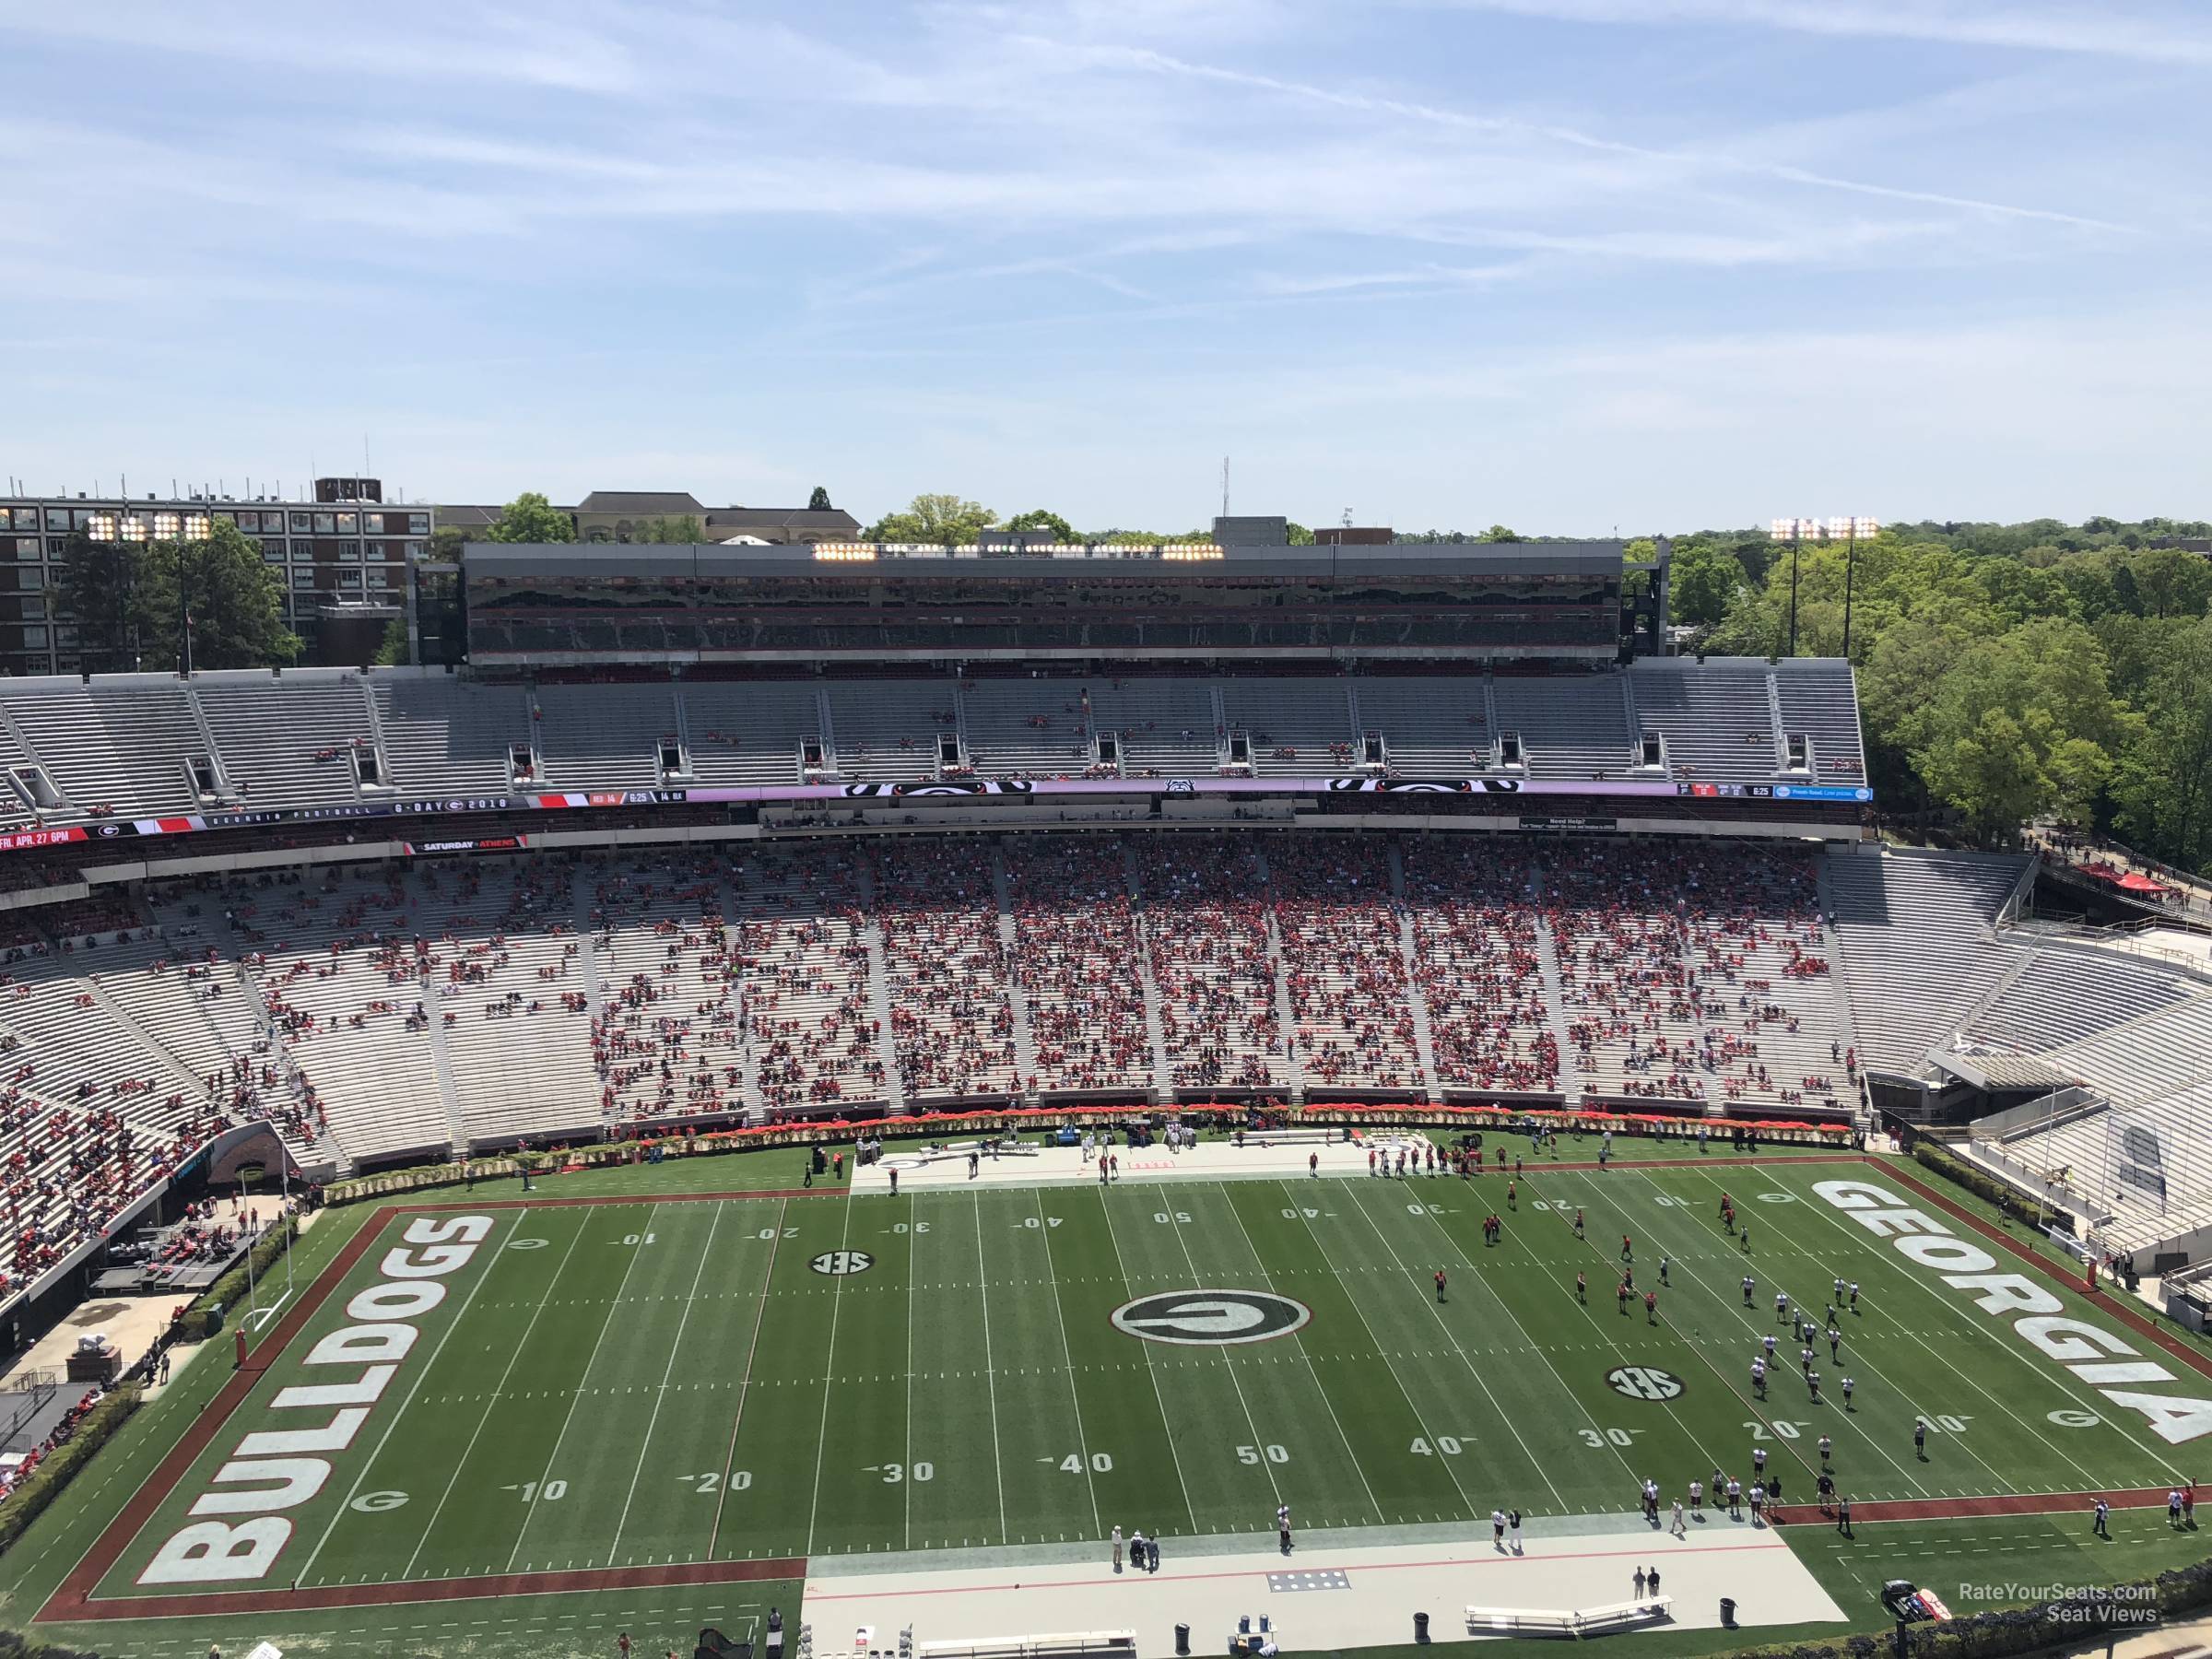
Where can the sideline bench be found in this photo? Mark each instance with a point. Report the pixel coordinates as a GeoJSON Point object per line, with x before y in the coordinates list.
{"type": "Point", "coordinates": [1054, 1646]}
{"type": "Point", "coordinates": [1615, 1616]}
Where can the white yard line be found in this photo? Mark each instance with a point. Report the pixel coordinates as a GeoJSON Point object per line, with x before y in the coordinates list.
{"type": "Point", "coordinates": [1299, 1342]}
{"type": "Point", "coordinates": [745, 1384]}
{"type": "Point", "coordinates": [1775, 1372]}
{"type": "Point", "coordinates": [821, 1440]}
{"type": "Point", "coordinates": [1474, 1371]}
{"type": "Point", "coordinates": [1929, 1290]}
{"type": "Point", "coordinates": [1166, 1423]}
{"type": "Point", "coordinates": [667, 1371]}
{"type": "Point", "coordinates": [1375, 1342]}
{"type": "Point", "coordinates": [913, 1254]}
{"type": "Point", "coordinates": [605, 1322]}
{"type": "Point", "coordinates": [1067, 1359]}
{"type": "Point", "coordinates": [1250, 1421]}
{"type": "Point", "coordinates": [990, 1369]}
{"type": "Point", "coordinates": [354, 1490]}
{"type": "Point", "coordinates": [1505, 1308]}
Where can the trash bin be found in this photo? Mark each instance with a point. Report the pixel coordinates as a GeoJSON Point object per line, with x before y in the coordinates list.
{"type": "Point", "coordinates": [1420, 1627]}
{"type": "Point", "coordinates": [1727, 1612]}
{"type": "Point", "coordinates": [1183, 1639]}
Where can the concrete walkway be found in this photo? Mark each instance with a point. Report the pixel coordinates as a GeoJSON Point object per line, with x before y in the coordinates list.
{"type": "Point", "coordinates": [1209, 1160]}
{"type": "Point", "coordinates": [1330, 1593]}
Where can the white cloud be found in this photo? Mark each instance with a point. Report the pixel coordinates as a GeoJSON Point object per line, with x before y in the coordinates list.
{"type": "Point", "coordinates": [2157, 34]}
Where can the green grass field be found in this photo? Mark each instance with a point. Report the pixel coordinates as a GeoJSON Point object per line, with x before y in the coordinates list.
{"type": "Point", "coordinates": [654, 1379]}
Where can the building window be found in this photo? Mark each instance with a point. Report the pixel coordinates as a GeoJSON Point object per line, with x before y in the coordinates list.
{"type": "Point", "coordinates": [349, 579]}
{"type": "Point", "coordinates": [304, 578]}
{"type": "Point", "coordinates": [27, 547]}
{"type": "Point", "coordinates": [350, 550]}
{"type": "Point", "coordinates": [348, 523]}
{"type": "Point", "coordinates": [419, 524]}
{"type": "Point", "coordinates": [414, 550]}
{"type": "Point", "coordinates": [326, 523]}
{"type": "Point", "coordinates": [57, 518]}
{"type": "Point", "coordinates": [34, 639]}
{"type": "Point", "coordinates": [66, 637]}
{"type": "Point", "coordinates": [301, 522]}
{"type": "Point", "coordinates": [34, 610]}
{"type": "Point", "coordinates": [378, 578]}
{"type": "Point", "coordinates": [67, 664]}
{"type": "Point", "coordinates": [272, 553]}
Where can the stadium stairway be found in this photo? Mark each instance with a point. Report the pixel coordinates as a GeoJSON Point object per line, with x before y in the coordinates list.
{"type": "Point", "coordinates": [879, 994]}
{"type": "Point", "coordinates": [1163, 1077]}
{"type": "Point", "coordinates": [1555, 1011]}
{"type": "Point", "coordinates": [1424, 1035]}
{"type": "Point", "coordinates": [749, 1057]}
{"type": "Point", "coordinates": [1294, 1068]}
{"type": "Point", "coordinates": [1025, 1034]}
{"type": "Point", "coordinates": [1708, 1079]}
{"type": "Point", "coordinates": [441, 1066]}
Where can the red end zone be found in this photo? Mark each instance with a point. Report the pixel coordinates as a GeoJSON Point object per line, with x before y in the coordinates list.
{"type": "Point", "coordinates": [72, 1599]}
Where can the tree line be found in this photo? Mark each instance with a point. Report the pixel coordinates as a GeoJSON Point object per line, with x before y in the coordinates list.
{"type": "Point", "coordinates": [156, 604]}
{"type": "Point", "coordinates": [2008, 673]}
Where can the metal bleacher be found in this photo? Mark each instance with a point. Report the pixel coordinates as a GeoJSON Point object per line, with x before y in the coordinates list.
{"type": "Point", "coordinates": [1713, 717]}
{"type": "Point", "coordinates": [2063, 997]}
{"type": "Point", "coordinates": [999, 723]}
{"type": "Point", "coordinates": [1918, 943]}
{"type": "Point", "coordinates": [604, 737]}
{"type": "Point", "coordinates": [270, 740]}
{"type": "Point", "coordinates": [69, 729]}
{"type": "Point", "coordinates": [748, 734]}
{"type": "Point", "coordinates": [883, 730]}
{"type": "Point", "coordinates": [441, 735]}
{"type": "Point", "coordinates": [1431, 728]}
{"type": "Point", "coordinates": [1297, 727]}
{"type": "Point", "coordinates": [125, 743]}
{"type": "Point", "coordinates": [1568, 726]}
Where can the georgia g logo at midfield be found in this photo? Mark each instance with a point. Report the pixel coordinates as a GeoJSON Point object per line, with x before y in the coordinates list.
{"type": "Point", "coordinates": [1210, 1318]}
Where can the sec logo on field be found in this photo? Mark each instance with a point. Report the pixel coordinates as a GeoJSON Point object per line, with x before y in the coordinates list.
{"type": "Point", "coordinates": [842, 1261]}
{"type": "Point", "coordinates": [1210, 1318]}
{"type": "Point", "coordinates": [1643, 1383]}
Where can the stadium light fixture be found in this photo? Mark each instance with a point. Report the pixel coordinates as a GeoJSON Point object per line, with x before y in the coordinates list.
{"type": "Point", "coordinates": [1850, 529]}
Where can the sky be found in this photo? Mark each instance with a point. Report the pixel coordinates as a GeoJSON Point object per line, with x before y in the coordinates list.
{"type": "Point", "coordinates": [1569, 265]}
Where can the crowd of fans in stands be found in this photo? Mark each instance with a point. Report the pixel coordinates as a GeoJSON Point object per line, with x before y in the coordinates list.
{"type": "Point", "coordinates": [789, 979]}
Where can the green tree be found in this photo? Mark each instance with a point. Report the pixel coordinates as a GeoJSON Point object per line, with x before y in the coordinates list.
{"type": "Point", "coordinates": [224, 593]}
{"type": "Point", "coordinates": [446, 543]}
{"type": "Point", "coordinates": [100, 588]}
{"type": "Point", "coordinates": [947, 520]}
{"type": "Point", "coordinates": [1702, 582]}
{"type": "Point", "coordinates": [1499, 533]}
{"type": "Point", "coordinates": [820, 501]}
{"type": "Point", "coordinates": [531, 518]}
{"type": "Point", "coordinates": [2171, 582]}
{"type": "Point", "coordinates": [681, 528]}
{"type": "Point", "coordinates": [2163, 785]}
{"type": "Point", "coordinates": [392, 652]}
{"type": "Point", "coordinates": [2024, 725]}
{"type": "Point", "coordinates": [1299, 536]}
{"type": "Point", "coordinates": [1037, 518]}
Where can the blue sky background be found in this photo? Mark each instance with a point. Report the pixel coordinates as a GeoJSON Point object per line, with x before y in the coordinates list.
{"type": "Point", "coordinates": [1563, 263]}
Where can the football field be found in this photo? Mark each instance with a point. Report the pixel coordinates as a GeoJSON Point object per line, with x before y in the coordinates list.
{"type": "Point", "coordinates": [548, 1394]}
